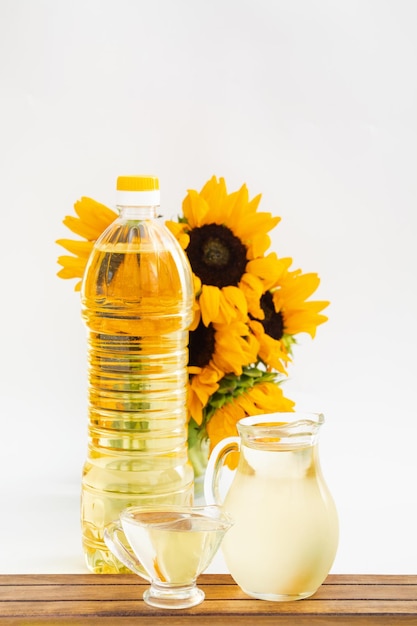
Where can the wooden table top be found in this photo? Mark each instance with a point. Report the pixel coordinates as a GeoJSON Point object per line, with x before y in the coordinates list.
{"type": "Point", "coordinates": [117, 599]}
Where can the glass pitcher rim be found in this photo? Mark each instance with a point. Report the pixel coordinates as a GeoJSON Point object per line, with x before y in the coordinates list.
{"type": "Point", "coordinates": [283, 419]}
{"type": "Point", "coordinates": [281, 429]}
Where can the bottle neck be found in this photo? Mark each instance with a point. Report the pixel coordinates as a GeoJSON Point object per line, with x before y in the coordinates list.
{"type": "Point", "coordinates": [138, 212]}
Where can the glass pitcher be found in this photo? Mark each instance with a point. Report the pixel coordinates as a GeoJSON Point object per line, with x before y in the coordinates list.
{"type": "Point", "coordinates": [285, 534]}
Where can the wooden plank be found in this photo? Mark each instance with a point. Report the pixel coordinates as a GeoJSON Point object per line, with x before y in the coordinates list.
{"type": "Point", "coordinates": [213, 607]}
{"type": "Point", "coordinates": [52, 592]}
{"type": "Point", "coordinates": [366, 592]}
{"type": "Point", "coordinates": [224, 620]}
{"type": "Point", "coordinates": [69, 579]}
{"type": "Point", "coordinates": [108, 599]}
{"type": "Point", "coordinates": [366, 579]}
{"type": "Point", "coordinates": [208, 579]}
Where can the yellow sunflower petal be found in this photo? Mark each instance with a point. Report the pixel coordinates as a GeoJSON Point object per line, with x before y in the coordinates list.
{"type": "Point", "coordinates": [223, 423]}
{"type": "Point", "coordinates": [93, 218]}
{"type": "Point", "coordinates": [259, 243]}
{"type": "Point", "coordinates": [196, 285]}
{"type": "Point", "coordinates": [255, 223]}
{"type": "Point", "coordinates": [179, 232]}
{"type": "Point", "coordinates": [194, 406]}
{"type": "Point", "coordinates": [77, 226]}
{"type": "Point", "coordinates": [196, 318]}
{"type": "Point", "coordinates": [248, 225]}
{"type": "Point", "coordinates": [235, 302]}
{"type": "Point", "coordinates": [195, 209]}
{"type": "Point", "coordinates": [269, 269]}
{"type": "Point", "coordinates": [254, 203]}
{"type": "Point", "coordinates": [94, 214]}
{"type": "Point", "coordinates": [79, 248]}
{"type": "Point", "coordinates": [233, 349]}
{"type": "Point", "coordinates": [210, 376]}
{"type": "Point", "coordinates": [227, 313]}
{"type": "Point", "coordinates": [237, 208]}
{"type": "Point", "coordinates": [269, 398]}
{"type": "Point", "coordinates": [306, 319]}
{"type": "Point", "coordinates": [252, 288]}
{"type": "Point", "coordinates": [203, 383]}
{"type": "Point", "coordinates": [72, 264]}
{"type": "Point", "coordinates": [214, 193]}
{"type": "Point", "coordinates": [270, 350]}
{"type": "Point", "coordinates": [67, 272]}
{"type": "Point", "coordinates": [298, 287]}
{"type": "Point", "coordinates": [209, 303]}
{"type": "Point", "coordinates": [222, 306]}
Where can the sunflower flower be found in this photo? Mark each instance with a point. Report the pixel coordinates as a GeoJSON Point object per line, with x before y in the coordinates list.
{"type": "Point", "coordinates": [290, 299]}
{"type": "Point", "coordinates": [93, 218]}
{"type": "Point", "coordinates": [286, 312]}
{"type": "Point", "coordinates": [221, 234]}
{"type": "Point", "coordinates": [214, 351]}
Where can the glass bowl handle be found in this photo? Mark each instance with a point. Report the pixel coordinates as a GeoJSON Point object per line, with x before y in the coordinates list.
{"type": "Point", "coordinates": [116, 541]}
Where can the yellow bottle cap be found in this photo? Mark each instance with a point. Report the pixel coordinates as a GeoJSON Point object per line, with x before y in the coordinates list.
{"type": "Point", "coordinates": [138, 191]}
{"type": "Point", "coordinates": [137, 183]}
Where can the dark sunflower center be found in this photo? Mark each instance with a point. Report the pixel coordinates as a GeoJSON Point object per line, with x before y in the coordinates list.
{"type": "Point", "coordinates": [216, 255]}
{"type": "Point", "coordinates": [273, 322]}
{"type": "Point", "coordinates": [201, 345]}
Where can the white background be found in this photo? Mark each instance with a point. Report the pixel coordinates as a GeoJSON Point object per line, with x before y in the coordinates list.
{"type": "Point", "coordinates": [310, 102]}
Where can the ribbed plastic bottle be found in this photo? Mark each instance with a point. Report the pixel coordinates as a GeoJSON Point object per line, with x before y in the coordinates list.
{"type": "Point", "coordinates": [137, 300]}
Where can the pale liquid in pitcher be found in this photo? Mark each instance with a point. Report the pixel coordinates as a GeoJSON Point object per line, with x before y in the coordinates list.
{"type": "Point", "coordinates": [178, 547]}
{"type": "Point", "coordinates": [285, 535]}
{"type": "Point", "coordinates": [137, 391]}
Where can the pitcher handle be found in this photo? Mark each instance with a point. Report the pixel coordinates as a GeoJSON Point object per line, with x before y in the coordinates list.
{"type": "Point", "coordinates": [112, 538]}
{"type": "Point", "coordinates": [214, 465]}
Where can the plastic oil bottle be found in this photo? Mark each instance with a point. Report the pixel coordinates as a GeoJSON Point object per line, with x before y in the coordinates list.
{"type": "Point", "coordinates": [137, 299]}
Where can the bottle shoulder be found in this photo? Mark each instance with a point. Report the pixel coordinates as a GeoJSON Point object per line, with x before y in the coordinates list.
{"type": "Point", "coordinates": [141, 269]}
{"type": "Point", "coordinates": [136, 233]}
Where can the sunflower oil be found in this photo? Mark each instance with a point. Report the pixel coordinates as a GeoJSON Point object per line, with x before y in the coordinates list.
{"type": "Point", "coordinates": [137, 303]}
